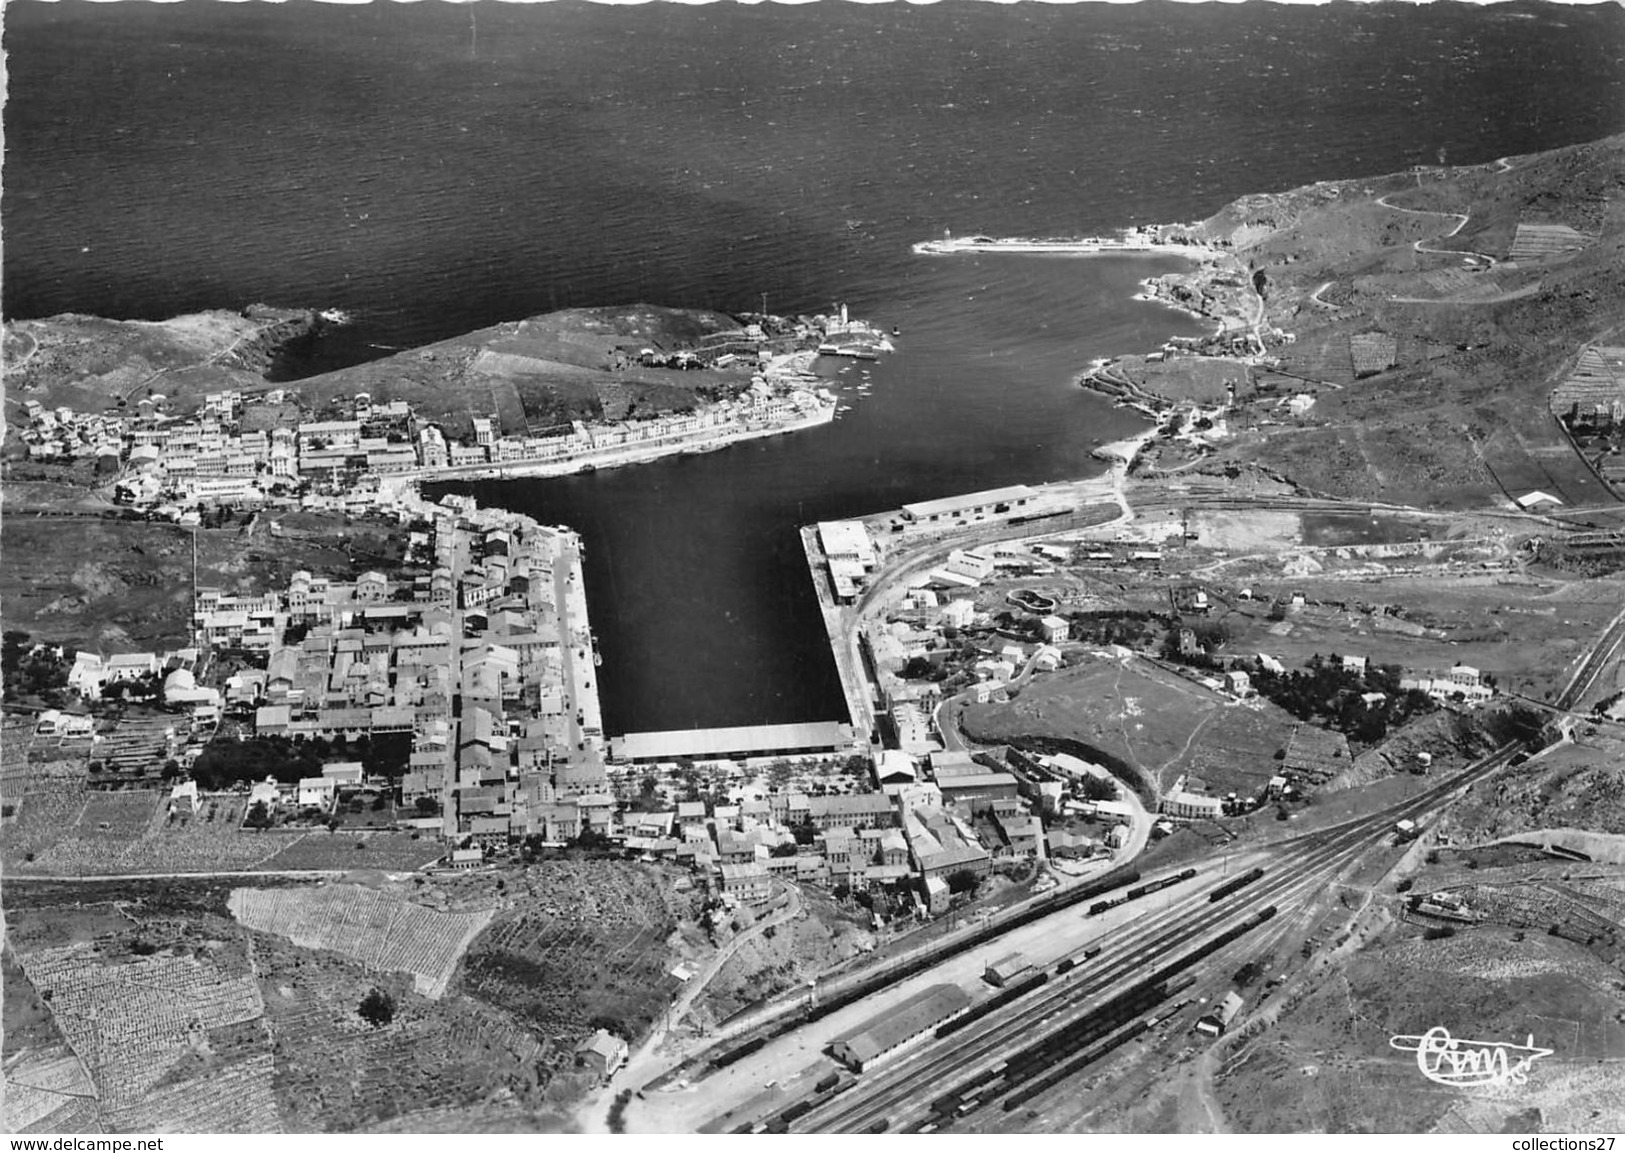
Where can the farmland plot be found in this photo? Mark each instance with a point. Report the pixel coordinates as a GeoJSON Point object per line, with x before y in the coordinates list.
{"type": "Point", "coordinates": [324, 850]}
{"type": "Point", "coordinates": [235, 1099]}
{"type": "Point", "coordinates": [380, 931]}
{"type": "Point", "coordinates": [336, 1073]}
{"type": "Point", "coordinates": [130, 1022]}
{"type": "Point", "coordinates": [41, 1082]}
{"type": "Point", "coordinates": [590, 942]}
{"type": "Point", "coordinates": [100, 836]}
{"type": "Point", "coordinates": [44, 813]}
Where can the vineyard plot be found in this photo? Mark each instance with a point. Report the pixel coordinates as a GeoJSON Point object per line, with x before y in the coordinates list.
{"type": "Point", "coordinates": [379, 931]}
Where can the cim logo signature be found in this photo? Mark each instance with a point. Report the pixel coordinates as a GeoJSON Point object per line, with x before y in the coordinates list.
{"type": "Point", "coordinates": [1449, 1060]}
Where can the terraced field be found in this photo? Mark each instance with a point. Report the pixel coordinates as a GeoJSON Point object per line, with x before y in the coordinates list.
{"type": "Point", "coordinates": [381, 932]}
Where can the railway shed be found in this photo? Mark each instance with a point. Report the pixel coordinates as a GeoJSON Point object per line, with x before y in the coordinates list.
{"type": "Point", "coordinates": [908, 1022]}
{"type": "Point", "coordinates": [1005, 970]}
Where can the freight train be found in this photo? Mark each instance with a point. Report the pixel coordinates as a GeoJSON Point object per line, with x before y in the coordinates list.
{"type": "Point", "coordinates": [1235, 883]}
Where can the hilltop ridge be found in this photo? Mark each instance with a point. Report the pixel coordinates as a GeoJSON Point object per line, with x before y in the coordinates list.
{"type": "Point", "coordinates": [1415, 325]}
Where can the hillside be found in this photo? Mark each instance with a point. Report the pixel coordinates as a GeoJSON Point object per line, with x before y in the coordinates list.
{"type": "Point", "coordinates": [92, 364]}
{"type": "Point", "coordinates": [1428, 343]}
{"type": "Point", "coordinates": [540, 373]}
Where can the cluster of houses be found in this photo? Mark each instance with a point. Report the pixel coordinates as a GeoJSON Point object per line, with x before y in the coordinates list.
{"type": "Point", "coordinates": [958, 816]}
{"type": "Point", "coordinates": [768, 402]}
{"type": "Point", "coordinates": [1460, 683]}
{"type": "Point", "coordinates": [486, 665]}
{"type": "Point", "coordinates": [56, 434]}
{"type": "Point", "coordinates": [92, 674]}
{"type": "Point", "coordinates": [171, 465]}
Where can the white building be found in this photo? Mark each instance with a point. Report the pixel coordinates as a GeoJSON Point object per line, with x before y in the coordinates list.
{"type": "Point", "coordinates": [973, 564]}
{"type": "Point", "coordinates": [847, 540]}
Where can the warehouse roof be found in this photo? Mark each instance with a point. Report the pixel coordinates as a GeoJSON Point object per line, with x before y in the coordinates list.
{"type": "Point", "coordinates": [983, 780]}
{"type": "Point", "coordinates": [924, 1010]}
{"type": "Point", "coordinates": [952, 504]}
{"type": "Point", "coordinates": [746, 740]}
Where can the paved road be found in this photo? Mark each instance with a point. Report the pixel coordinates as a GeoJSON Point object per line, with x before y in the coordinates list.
{"type": "Point", "coordinates": [1422, 245]}
{"type": "Point", "coordinates": [15, 878]}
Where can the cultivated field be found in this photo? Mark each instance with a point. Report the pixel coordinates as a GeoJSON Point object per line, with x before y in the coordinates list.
{"type": "Point", "coordinates": [129, 1022]}
{"type": "Point", "coordinates": [379, 931]}
{"type": "Point", "coordinates": [59, 829]}
{"type": "Point", "coordinates": [336, 1073]}
{"type": "Point", "coordinates": [592, 941]}
{"type": "Point", "coordinates": [398, 852]}
{"type": "Point", "coordinates": [175, 1018]}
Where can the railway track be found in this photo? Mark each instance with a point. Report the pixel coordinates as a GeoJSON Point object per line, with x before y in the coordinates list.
{"type": "Point", "coordinates": [1296, 870]}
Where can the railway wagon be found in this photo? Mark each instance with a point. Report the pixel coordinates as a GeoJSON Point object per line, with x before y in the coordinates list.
{"type": "Point", "coordinates": [738, 1053]}
{"type": "Point", "coordinates": [1235, 883]}
{"type": "Point", "coordinates": [992, 1004]}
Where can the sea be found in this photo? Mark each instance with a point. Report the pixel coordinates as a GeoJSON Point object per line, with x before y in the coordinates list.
{"type": "Point", "coordinates": [433, 168]}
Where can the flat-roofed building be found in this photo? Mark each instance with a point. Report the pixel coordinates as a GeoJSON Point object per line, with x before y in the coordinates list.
{"type": "Point", "coordinates": [1179, 802]}
{"type": "Point", "coordinates": [847, 540]}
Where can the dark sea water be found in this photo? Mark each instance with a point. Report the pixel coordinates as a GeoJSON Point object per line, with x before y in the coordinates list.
{"type": "Point", "coordinates": [433, 168]}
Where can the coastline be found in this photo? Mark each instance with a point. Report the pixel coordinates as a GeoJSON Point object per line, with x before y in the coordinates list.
{"type": "Point", "coordinates": [618, 455]}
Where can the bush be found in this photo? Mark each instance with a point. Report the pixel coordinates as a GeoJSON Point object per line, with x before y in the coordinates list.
{"type": "Point", "coordinates": [617, 1111]}
{"type": "Point", "coordinates": [1438, 932]}
{"type": "Point", "coordinates": [377, 1008]}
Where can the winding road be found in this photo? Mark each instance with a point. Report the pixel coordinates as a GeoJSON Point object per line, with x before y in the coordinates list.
{"type": "Point", "coordinates": [1422, 245]}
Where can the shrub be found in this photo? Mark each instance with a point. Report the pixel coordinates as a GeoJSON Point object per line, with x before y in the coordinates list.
{"type": "Point", "coordinates": [617, 1111]}
{"type": "Point", "coordinates": [377, 1008]}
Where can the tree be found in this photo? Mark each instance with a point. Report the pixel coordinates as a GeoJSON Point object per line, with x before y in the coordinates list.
{"type": "Point", "coordinates": [788, 849]}
{"type": "Point", "coordinates": [377, 1008]}
{"type": "Point", "coordinates": [172, 770]}
{"type": "Point", "coordinates": [1099, 788]}
{"type": "Point", "coordinates": [427, 807]}
{"type": "Point", "coordinates": [259, 817]}
{"type": "Point", "coordinates": [962, 881]}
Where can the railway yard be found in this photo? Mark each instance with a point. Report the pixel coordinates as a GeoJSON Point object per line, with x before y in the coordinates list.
{"type": "Point", "coordinates": [1157, 994]}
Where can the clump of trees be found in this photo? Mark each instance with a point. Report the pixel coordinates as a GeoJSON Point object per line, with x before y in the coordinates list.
{"type": "Point", "coordinates": [1096, 788]}
{"type": "Point", "coordinates": [1129, 628]}
{"type": "Point", "coordinates": [228, 761]}
{"type": "Point", "coordinates": [1326, 693]}
{"type": "Point", "coordinates": [377, 1008]}
{"type": "Point", "coordinates": [40, 673]}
